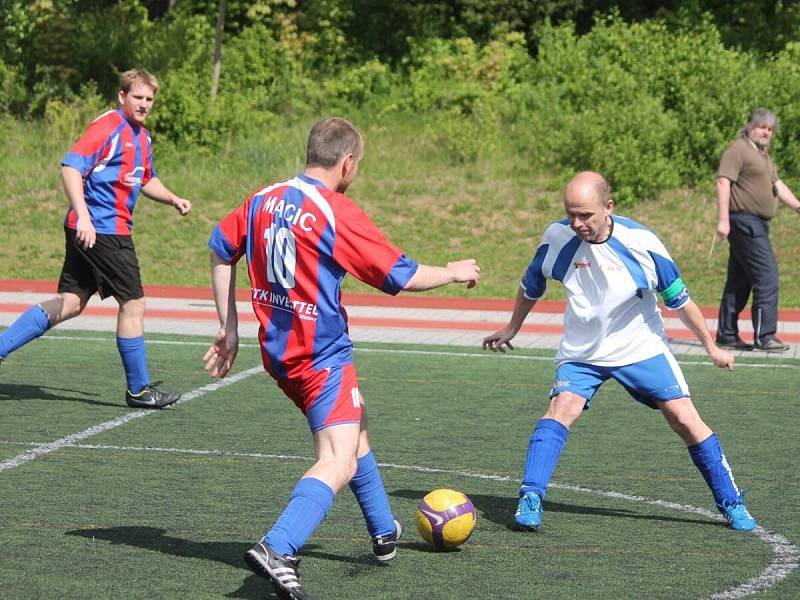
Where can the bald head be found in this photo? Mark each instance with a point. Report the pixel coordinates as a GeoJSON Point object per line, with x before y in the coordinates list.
{"type": "Point", "coordinates": [588, 186]}
{"type": "Point", "coordinates": [587, 200]}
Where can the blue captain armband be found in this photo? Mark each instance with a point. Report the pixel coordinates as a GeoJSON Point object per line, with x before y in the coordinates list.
{"type": "Point", "coordinates": [676, 295]}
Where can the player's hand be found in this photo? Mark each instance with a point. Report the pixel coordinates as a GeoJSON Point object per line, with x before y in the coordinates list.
{"type": "Point", "coordinates": [182, 205]}
{"type": "Point", "coordinates": [498, 340]}
{"type": "Point", "coordinates": [466, 271]}
{"type": "Point", "coordinates": [722, 358]}
{"type": "Point", "coordinates": [85, 234]}
{"type": "Point", "coordinates": [222, 353]}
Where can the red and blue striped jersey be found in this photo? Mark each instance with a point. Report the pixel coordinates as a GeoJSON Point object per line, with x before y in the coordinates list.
{"type": "Point", "coordinates": [114, 158]}
{"type": "Point", "coordinates": [300, 240]}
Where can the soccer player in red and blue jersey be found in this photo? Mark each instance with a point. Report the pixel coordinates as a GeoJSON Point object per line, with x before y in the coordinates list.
{"type": "Point", "coordinates": [300, 237]}
{"type": "Point", "coordinates": [103, 174]}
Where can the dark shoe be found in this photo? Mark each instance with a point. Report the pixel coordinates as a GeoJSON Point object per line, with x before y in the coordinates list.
{"type": "Point", "coordinates": [151, 397]}
{"type": "Point", "coordinates": [735, 344]}
{"type": "Point", "coordinates": [278, 569]}
{"type": "Point", "coordinates": [385, 547]}
{"type": "Point", "coordinates": [772, 344]}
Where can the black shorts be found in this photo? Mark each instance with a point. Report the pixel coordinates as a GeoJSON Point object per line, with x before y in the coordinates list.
{"type": "Point", "coordinates": [110, 267]}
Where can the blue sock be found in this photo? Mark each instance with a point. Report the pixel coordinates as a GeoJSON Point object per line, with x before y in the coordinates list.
{"type": "Point", "coordinates": [134, 361]}
{"type": "Point", "coordinates": [544, 448]}
{"type": "Point", "coordinates": [710, 459]}
{"type": "Point", "coordinates": [310, 501]}
{"type": "Point", "coordinates": [31, 324]}
{"type": "Point", "coordinates": [367, 486]}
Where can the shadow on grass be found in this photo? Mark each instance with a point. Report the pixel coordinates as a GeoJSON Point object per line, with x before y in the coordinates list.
{"type": "Point", "coordinates": [13, 391]}
{"type": "Point", "coordinates": [228, 553]}
{"type": "Point", "coordinates": [501, 509]}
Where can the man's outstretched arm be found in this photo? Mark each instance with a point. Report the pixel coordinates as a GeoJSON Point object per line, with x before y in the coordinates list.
{"type": "Point", "coordinates": [460, 271]}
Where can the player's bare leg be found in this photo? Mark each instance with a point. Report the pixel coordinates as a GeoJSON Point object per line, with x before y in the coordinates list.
{"type": "Point", "coordinates": [565, 408]}
{"type": "Point", "coordinates": [684, 420]}
{"type": "Point", "coordinates": [707, 455]}
{"type": "Point", "coordinates": [64, 306]}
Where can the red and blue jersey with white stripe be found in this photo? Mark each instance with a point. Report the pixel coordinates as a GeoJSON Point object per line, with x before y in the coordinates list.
{"type": "Point", "coordinates": [115, 160]}
{"type": "Point", "coordinates": [300, 240]}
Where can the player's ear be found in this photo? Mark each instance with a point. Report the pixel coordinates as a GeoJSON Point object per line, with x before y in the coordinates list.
{"type": "Point", "coordinates": [347, 165]}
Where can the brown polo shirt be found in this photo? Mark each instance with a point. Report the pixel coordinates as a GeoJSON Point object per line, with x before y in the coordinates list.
{"type": "Point", "coordinates": [753, 176]}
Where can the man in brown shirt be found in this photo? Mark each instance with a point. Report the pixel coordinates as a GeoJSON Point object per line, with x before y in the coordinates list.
{"type": "Point", "coordinates": [748, 190]}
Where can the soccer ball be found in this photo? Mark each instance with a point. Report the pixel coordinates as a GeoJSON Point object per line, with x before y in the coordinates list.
{"type": "Point", "coordinates": [445, 518]}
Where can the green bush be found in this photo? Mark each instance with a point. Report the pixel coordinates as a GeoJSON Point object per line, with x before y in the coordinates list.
{"type": "Point", "coordinates": [13, 95]}
{"type": "Point", "coordinates": [67, 119]}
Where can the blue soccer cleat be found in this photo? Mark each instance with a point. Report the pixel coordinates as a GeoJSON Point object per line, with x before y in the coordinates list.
{"type": "Point", "coordinates": [529, 511]}
{"type": "Point", "coordinates": [737, 515]}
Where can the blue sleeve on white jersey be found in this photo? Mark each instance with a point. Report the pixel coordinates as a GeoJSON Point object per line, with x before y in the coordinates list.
{"type": "Point", "coordinates": [670, 285]}
{"type": "Point", "coordinates": [534, 283]}
{"type": "Point", "coordinates": [399, 275]}
{"type": "Point", "coordinates": [220, 245]}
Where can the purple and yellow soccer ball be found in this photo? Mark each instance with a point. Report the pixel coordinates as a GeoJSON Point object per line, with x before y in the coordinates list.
{"type": "Point", "coordinates": [445, 518]}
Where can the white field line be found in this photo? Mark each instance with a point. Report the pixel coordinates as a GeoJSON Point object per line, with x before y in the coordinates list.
{"type": "Point", "coordinates": [70, 440]}
{"type": "Point", "coordinates": [786, 555]}
{"type": "Point", "coordinates": [692, 363]}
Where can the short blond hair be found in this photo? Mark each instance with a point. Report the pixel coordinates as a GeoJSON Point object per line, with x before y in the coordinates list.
{"type": "Point", "coordinates": [133, 76]}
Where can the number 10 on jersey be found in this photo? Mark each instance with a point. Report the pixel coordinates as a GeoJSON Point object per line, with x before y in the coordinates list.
{"type": "Point", "coordinates": [281, 256]}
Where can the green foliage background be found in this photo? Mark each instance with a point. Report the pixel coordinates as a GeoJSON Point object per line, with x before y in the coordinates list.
{"type": "Point", "coordinates": [475, 114]}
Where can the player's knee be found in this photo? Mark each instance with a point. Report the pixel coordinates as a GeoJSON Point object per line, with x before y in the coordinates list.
{"type": "Point", "coordinates": [565, 408]}
{"type": "Point", "coordinates": [349, 465]}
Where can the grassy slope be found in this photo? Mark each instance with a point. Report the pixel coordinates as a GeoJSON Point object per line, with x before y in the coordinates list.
{"type": "Point", "coordinates": [493, 210]}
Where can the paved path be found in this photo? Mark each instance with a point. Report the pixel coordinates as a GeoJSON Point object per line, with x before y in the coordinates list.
{"type": "Point", "coordinates": [406, 318]}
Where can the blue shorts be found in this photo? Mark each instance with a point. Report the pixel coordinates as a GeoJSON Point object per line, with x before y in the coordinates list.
{"type": "Point", "coordinates": [656, 379]}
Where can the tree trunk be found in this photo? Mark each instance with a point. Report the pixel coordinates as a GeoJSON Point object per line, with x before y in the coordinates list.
{"type": "Point", "coordinates": [217, 53]}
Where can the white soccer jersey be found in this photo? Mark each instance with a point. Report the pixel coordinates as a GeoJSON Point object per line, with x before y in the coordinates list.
{"type": "Point", "coordinates": [612, 316]}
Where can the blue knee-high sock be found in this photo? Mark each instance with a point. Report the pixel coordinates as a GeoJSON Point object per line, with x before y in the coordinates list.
{"type": "Point", "coordinates": [310, 501]}
{"type": "Point", "coordinates": [134, 361]}
{"type": "Point", "coordinates": [709, 458]}
{"type": "Point", "coordinates": [544, 448]}
{"type": "Point", "coordinates": [367, 486]}
{"type": "Point", "coordinates": [31, 324]}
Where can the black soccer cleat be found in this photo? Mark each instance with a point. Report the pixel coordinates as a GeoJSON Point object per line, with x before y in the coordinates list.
{"type": "Point", "coordinates": [151, 396]}
{"type": "Point", "coordinates": [281, 571]}
{"type": "Point", "coordinates": [385, 546]}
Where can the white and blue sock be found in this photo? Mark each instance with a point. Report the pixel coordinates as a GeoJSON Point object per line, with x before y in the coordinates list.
{"type": "Point", "coordinates": [134, 361]}
{"type": "Point", "coordinates": [544, 447]}
{"type": "Point", "coordinates": [310, 502]}
{"type": "Point", "coordinates": [367, 486]}
{"type": "Point", "coordinates": [30, 325]}
{"type": "Point", "coordinates": [709, 458]}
